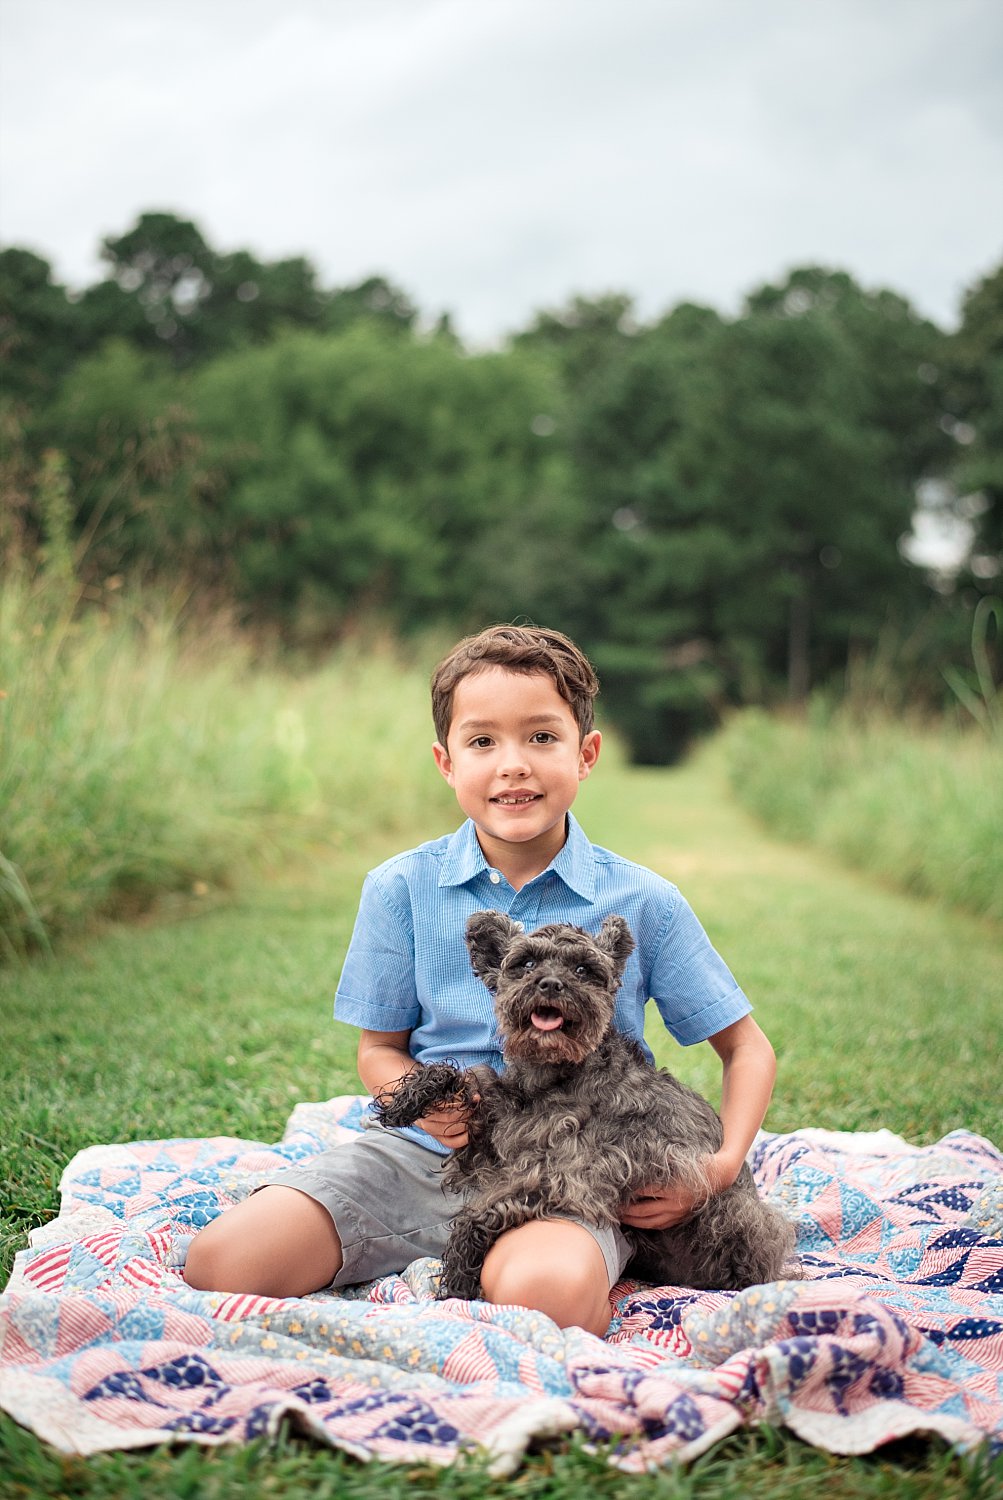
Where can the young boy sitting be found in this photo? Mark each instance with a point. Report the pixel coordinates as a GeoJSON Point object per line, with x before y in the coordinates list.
{"type": "Point", "coordinates": [513, 711]}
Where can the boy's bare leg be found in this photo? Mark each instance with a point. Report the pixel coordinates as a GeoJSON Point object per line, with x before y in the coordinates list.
{"type": "Point", "coordinates": [277, 1243]}
{"type": "Point", "coordinates": [553, 1266]}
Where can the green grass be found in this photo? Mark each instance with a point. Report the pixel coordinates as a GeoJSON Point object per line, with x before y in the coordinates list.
{"type": "Point", "coordinates": [918, 806]}
{"type": "Point", "coordinates": [766, 1463]}
{"type": "Point", "coordinates": [883, 1009]}
{"type": "Point", "coordinates": [145, 750]}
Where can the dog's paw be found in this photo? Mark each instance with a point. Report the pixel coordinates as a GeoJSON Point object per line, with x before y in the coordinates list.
{"type": "Point", "coordinates": [418, 1093]}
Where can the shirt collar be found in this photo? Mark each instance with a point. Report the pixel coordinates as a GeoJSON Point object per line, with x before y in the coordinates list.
{"type": "Point", "coordinates": [575, 863]}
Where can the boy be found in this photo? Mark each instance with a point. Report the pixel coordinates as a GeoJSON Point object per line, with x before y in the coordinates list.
{"type": "Point", "coordinates": [513, 711]}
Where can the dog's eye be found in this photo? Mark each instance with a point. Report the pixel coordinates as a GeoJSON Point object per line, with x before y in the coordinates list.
{"type": "Point", "coordinates": [530, 963]}
{"type": "Point", "coordinates": [582, 969]}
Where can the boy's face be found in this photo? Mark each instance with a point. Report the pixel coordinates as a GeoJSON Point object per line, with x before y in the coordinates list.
{"type": "Point", "coordinates": [514, 758]}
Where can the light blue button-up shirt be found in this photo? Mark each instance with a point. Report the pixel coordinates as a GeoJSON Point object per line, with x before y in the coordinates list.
{"type": "Point", "coordinates": [407, 967]}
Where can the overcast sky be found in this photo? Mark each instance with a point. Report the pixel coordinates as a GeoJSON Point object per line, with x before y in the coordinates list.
{"type": "Point", "coordinates": [495, 156]}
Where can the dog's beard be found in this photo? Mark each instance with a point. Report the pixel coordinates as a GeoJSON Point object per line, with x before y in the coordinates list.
{"type": "Point", "coordinates": [568, 1027]}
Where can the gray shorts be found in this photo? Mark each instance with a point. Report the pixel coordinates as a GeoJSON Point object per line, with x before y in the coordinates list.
{"type": "Point", "coordinates": [385, 1195]}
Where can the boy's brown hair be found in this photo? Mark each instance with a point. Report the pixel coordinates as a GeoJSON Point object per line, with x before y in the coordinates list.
{"type": "Point", "coordinates": [517, 648]}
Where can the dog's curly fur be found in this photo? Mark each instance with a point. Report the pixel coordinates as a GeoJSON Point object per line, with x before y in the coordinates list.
{"type": "Point", "coordinates": [580, 1122]}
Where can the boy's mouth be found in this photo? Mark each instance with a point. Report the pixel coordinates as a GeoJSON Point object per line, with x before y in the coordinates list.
{"type": "Point", "coordinates": [515, 799]}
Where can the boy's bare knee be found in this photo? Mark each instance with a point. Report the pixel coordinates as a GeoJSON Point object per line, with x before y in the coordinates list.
{"type": "Point", "coordinates": [277, 1243]}
{"type": "Point", "coordinates": [205, 1262]}
{"type": "Point", "coordinates": [553, 1266]}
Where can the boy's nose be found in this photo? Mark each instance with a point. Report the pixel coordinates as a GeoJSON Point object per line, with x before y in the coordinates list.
{"type": "Point", "coordinates": [512, 763]}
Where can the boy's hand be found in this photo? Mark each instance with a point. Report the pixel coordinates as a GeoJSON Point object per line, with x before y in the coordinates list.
{"type": "Point", "coordinates": [449, 1124]}
{"type": "Point", "coordinates": [661, 1207]}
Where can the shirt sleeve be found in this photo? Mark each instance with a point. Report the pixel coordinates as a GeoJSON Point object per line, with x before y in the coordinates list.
{"type": "Point", "coordinates": [377, 986]}
{"type": "Point", "coordinates": [691, 984]}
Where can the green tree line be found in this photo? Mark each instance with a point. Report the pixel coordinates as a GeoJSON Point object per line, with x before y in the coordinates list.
{"type": "Point", "coordinates": [714, 506]}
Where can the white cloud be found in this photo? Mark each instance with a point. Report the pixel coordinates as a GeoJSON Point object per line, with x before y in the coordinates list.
{"type": "Point", "coordinates": [493, 157]}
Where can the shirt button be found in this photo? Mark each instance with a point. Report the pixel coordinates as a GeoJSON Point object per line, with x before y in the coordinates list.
{"type": "Point", "coordinates": [495, 878]}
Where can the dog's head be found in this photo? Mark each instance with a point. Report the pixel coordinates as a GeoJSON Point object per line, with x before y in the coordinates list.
{"type": "Point", "coordinates": [554, 988]}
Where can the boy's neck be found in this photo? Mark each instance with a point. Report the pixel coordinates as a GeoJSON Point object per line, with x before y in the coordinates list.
{"type": "Point", "coordinates": [521, 863]}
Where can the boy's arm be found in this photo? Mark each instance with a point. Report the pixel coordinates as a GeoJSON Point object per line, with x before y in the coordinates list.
{"type": "Point", "coordinates": [382, 1059]}
{"type": "Point", "coordinates": [749, 1067]}
{"type": "Point", "coordinates": [749, 1070]}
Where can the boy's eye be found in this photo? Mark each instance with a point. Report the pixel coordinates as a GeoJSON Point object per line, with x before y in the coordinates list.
{"type": "Point", "coordinates": [481, 742]}
{"type": "Point", "coordinates": [543, 737]}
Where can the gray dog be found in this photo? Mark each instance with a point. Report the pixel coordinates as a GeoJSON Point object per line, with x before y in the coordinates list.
{"type": "Point", "coordinates": [580, 1122]}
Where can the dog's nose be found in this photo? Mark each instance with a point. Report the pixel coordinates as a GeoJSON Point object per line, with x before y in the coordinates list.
{"type": "Point", "coordinates": [550, 985]}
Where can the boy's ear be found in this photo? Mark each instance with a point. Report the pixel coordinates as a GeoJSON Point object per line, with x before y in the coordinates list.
{"type": "Point", "coordinates": [615, 938]}
{"type": "Point", "coordinates": [441, 757]}
{"type": "Point", "coordinates": [489, 934]}
{"type": "Point", "coordinates": [589, 753]}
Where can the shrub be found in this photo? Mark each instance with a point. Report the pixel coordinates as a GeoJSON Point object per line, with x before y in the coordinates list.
{"type": "Point", "coordinates": [919, 806]}
{"type": "Point", "coordinates": [143, 750]}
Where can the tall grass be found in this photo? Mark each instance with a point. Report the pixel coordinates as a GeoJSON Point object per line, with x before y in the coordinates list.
{"type": "Point", "coordinates": [919, 806]}
{"type": "Point", "coordinates": [144, 751]}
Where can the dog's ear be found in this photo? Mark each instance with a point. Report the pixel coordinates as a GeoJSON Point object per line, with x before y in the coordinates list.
{"type": "Point", "coordinates": [615, 939]}
{"type": "Point", "coordinates": [489, 934]}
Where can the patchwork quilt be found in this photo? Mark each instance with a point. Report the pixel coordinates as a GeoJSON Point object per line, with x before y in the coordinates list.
{"type": "Point", "coordinates": [892, 1325]}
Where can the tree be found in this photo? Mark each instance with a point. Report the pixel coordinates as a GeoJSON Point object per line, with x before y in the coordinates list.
{"type": "Point", "coordinates": [975, 422]}
{"type": "Point", "coordinates": [170, 289]}
{"type": "Point", "coordinates": [583, 336]}
{"type": "Point", "coordinates": [749, 483]}
{"type": "Point", "coordinates": [373, 474]}
{"type": "Point", "coordinates": [36, 327]}
{"type": "Point", "coordinates": [900, 356]}
{"type": "Point", "coordinates": [122, 419]}
{"type": "Point", "coordinates": [375, 299]}
{"type": "Point", "coordinates": [165, 265]}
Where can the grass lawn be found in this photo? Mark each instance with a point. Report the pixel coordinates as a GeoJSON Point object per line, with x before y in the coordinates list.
{"type": "Point", "coordinates": [216, 1020]}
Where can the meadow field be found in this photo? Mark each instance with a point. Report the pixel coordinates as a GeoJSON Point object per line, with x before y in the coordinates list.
{"type": "Point", "coordinates": [917, 805]}
{"type": "Point", "coordinates": [177, 912]}
{"type": "Point", "coordinates": [149, 750]}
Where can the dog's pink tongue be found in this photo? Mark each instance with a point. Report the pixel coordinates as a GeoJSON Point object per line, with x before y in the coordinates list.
{"type": "Point", "coordinates": [549, 1022]}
